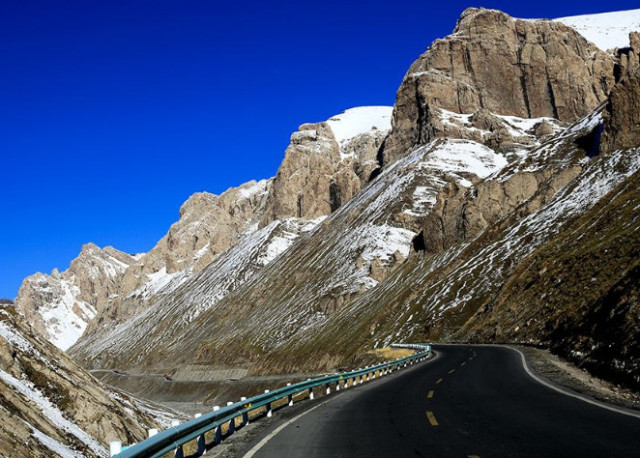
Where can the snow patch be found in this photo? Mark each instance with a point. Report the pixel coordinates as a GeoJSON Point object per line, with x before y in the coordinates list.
{"type": "Point", "coordinates": [259, 187]}
{"type": "Point", "coordinates": [360, 120]}
{"type": "Point", "coordinates": [52, 444]}
{"type": "Point", "coordinates": [607, 30]}
{"type": "Point", "coordinates": [384, 241]}
{"type": "Point", "coordinates": [464, 156]}
{"type": "Point", "coordinates": [66, 318]}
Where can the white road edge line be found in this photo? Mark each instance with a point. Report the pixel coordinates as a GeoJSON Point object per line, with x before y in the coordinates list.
{"type": "Point", "coordinates": [561, 390]}
{"type": "Point", "coordinates": [572, 394]}
{"type": "Point", "coordinates": [266, 439]}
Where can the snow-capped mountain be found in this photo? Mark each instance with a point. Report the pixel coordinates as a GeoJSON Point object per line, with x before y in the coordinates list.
{"type": "Point", "coordinates": [474, 179]}
{"type": "Point", "coordinates": [384, 224]}
{"type": "Point", "coordinates": [606, 30]}
{"type": "Point", "coordinates": [326, 164]}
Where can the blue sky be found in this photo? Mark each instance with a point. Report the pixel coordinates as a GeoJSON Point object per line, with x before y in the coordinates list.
{"type": "Point", "coordinates": [113, 112]}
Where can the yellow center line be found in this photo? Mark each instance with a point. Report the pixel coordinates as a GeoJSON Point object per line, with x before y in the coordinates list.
{"type": "Point", "coordinates": [473, 456]}
{"type": "Point", "coordinates": [432, 418]}
{"type": "Point", "coordinates": [438, 381]}
{"type": "Point", "coordinates": [463, 363]}
{"type": "Point", "coordinates": [452, 371]}
{"type": "Point", "coordinates": [430, 395]}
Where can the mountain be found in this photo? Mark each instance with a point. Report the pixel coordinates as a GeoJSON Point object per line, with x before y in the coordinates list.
{"type": "Point", "coordinates": [50, 406]}
{"type": "Point", "coordinates": [496, 202]}
{"type": "Point", "coordinates": [325, 165]}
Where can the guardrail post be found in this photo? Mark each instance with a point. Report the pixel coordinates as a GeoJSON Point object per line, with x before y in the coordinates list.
{"type": "Point", "coordinates": [115, 447]}
{"type": "Point", "coordinates": [290, 397]}
{"type": "Point", "coordinates": [328, 389]}
{"type": "Point", "coordinates": [245, 415]}
{"type": "Point", "coordinates": [268, 406]}
{"type": "Point", "coordinates": [202, 446]}
{"type": "Point", "coordinates": [232, 422]}
{"type": "Point", "coordinates": [179, 452]}
{"type": "Point", "coordinates": [218, 434]}
{"type": "Point", "coordinates": [311, 393]}
{"type": "Point", "coordinates": [338, 384]}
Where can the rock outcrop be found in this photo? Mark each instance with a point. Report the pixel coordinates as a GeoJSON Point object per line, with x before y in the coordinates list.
{"type": "Point", "coordinates": [60, 305]}
{"type": "Point", "coordinates": [327, 163]}
{"type": "Point", "coordinates": [508, 66]}
{"type": "Point", "coordinates": [50, 406]}
{"type": "Point", "coordinates": [622, 114]}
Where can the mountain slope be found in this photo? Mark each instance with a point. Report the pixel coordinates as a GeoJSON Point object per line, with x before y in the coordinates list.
{"type": "Point", "coordinates": [52, 407]}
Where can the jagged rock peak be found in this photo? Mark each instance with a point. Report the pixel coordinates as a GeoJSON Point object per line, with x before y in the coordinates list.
{"type": "Point", "coordinates": [243, 192]}
{"type": "Point", "coordinates": [523, 68]}
{"type": "Point", "coordinates": [327, 163]}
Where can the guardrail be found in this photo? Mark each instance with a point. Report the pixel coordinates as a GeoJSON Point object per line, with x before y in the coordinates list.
{"type": "Point", "coordinates": [174, 438]}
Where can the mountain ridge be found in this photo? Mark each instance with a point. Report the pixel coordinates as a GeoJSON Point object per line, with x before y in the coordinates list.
{"type": "Point", "coordinates": [349, 218]}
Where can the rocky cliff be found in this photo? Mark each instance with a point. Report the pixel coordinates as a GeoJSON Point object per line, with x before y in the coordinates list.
{"type": "Point", "coordinates": [50, 406]}
{"type": "Point", "coordinates": [493, 62]}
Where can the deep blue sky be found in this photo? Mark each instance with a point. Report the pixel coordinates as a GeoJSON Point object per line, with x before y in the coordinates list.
{"type": "Point", "coordinates": [113, 112]}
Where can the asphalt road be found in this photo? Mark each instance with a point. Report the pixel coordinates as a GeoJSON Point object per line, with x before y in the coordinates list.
{"type": "Point", "coordinates": [468, 402]}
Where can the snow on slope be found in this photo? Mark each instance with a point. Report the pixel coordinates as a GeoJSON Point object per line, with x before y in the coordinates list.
{"type": "Point", "coordinates": [181, 306]}
{"type": "Point", "coordinates": [360, 120]}
{"type": "Point", "coordinates": [606, 30]}
{"type": "Point", "coordinates": [51, 411]}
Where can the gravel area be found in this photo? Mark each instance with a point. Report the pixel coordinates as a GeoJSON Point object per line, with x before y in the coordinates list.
{"type": "Point", "coordinates": [567, 375]}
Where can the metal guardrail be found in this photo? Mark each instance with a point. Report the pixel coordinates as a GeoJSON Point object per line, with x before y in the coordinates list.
{"type": "Point", "coordinates": [172, 439]}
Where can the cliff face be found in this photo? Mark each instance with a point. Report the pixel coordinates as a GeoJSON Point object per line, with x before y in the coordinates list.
{"type": "Point", "coordinates": [622, 114]}
{"type": "Point", "coordinates": [327, 163]}
{"type": "Point", "coordinates": [50, 406]}
{"type": "Point", "coordinates": [507, 66]}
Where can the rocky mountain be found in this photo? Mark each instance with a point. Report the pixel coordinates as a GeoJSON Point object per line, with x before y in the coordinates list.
{"type": "Point", "coordinates": [50, 406]}
{"type": "Point", "coordinates": [425, 250]}
{"type": "Point", "coordinates": [324, 166]}
{"type": "Point", "coordinates": [493, 210]}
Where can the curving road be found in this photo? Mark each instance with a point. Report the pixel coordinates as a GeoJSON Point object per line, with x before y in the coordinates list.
{"type": "Point", "coordinates": [470, 401]}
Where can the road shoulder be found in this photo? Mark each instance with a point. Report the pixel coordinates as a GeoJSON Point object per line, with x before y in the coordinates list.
{"type": "Point", "coordinates": [566, 375]}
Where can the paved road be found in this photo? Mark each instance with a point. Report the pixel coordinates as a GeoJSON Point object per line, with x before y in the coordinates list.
{"type": "Point", "coordinates": [468, 402]}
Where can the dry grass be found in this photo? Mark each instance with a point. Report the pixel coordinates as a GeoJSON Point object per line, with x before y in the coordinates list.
{"type": "Point", "coordinates": [389, 353]}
